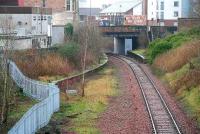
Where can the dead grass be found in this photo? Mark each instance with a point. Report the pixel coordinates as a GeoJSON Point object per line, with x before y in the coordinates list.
{"type": "Point", "coordinates": [35, 65]}
{"type": "Point", "coordinates": [176, 58]}
{"type": "Point", "coordinates": [80, 114]}
{"type": "Point", "coordinates": [191, 79]}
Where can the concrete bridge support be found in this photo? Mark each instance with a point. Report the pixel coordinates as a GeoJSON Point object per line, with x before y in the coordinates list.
{"type": "Point", "coordinates": [122, 45]}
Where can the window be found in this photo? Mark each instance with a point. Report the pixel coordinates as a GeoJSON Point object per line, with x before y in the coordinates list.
{"type": "Point", "coordinates": [68, 5]}
{"type": "Point", "coordinates": [162, 15]}
{"type": "Point", "coordinates": [176, 14]}
{"type": "Point", "coordinates": [157, 6]}
{"type": "Point", "coordinates": [162, 5]}
{"type": "Point", "coordinates": [44, 3]}
{"type": "Point", "coordinates": [34, 17]}
{"type": "Point", "coordinates": [176, 4]}
{"type": "Point", "coordinates": [157, 15]}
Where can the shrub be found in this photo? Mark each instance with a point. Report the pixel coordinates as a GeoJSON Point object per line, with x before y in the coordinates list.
{"type": "Point", "coordinates": [172, 41]}
{"type": "Point", "coordinates": [69, 30]}
{"type": "Point", "coordinates": [157, 49]}
{"type": "Point", "coordinates": [69, 50]}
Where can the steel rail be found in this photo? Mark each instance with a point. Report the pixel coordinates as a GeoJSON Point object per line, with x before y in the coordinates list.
{"type": "Point", "coordinates": [124, 59]}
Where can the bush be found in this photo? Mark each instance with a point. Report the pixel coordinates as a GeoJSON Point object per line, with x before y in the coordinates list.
{"type": "Point", "coordinates": [161, 46]}
{"type": "Point", "coordinates": [69, 30]}
{"type": "Point", "coordinates": [157, 49]}
{"type": "Point", "coordinates": [178, 57]}
{"type": "Point", "coordinates": [69, 50]}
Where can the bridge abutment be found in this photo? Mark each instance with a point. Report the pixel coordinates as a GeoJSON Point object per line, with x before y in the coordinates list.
{"type": "Point", "coordinates": [122, 45]}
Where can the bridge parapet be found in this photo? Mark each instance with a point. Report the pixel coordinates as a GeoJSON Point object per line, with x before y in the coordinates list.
{"type": "Point", "coordinates": [122, 30]}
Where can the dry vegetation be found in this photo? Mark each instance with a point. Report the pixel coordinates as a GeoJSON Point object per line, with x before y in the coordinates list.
{"type": "Point", "coordinates": [176, 58]}
{"type": "Point", "coordinates": [34, 65]}
{"type": "Point", "coordinates": [80, 114]}
{"type": "Point", "coordinates": [180, 67]}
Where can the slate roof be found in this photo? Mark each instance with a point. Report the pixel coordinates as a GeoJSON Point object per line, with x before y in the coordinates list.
{"type": "Point", "coordinates": [122, 6]}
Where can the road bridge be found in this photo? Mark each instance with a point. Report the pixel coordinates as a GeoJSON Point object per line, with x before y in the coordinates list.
{"type": "Point", "coordinates": [125, 37]}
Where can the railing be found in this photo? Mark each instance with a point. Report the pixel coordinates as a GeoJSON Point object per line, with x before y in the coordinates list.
{"type": "Point", "coordinates": [40, 114]}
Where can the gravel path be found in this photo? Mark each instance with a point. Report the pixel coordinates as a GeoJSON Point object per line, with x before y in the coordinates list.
{"type": "Point", "coordinates": [188, 126]}
{"type": "Point", "coordinates": [126, 114]}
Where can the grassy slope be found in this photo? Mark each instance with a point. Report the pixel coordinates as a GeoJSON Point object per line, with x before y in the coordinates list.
{"type": "Point", "coordinates": [23, 104]}
{"type": "Point", "coordinates": [80, 114]}
{"type": "Point", "coordinates": [161, 46]}
{"type": "Point", "coordinates": [184, 84]}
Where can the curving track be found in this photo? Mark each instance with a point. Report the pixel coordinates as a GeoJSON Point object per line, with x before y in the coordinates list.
{"type": "Point", "coordinates": [162, 119]}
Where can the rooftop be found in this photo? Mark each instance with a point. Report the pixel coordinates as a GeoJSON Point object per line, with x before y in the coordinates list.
{"type": "Point", "coordinates": [122, 6]}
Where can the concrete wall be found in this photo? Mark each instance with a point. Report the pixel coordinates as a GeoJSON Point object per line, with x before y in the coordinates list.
{"type": "Point", "coordinates": [119, 46]}
{"type": "Point", "coordinates": [122, 45]}
{"type": "Point", "coordinates": [26, 43]}
{"type": "Point", "coordinates": [57, 35]}
{"type": "Point", "coordinates": [22, 44]}
{"type": "Point", "coordinates": [128, 45]}
{"type": "Point", "coordinates": [62, 18]}
{"type": "Point", "coordinates": [28, 24]}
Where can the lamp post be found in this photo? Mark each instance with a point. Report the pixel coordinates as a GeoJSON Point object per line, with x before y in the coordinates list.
{"type": "Point", "coordinates": [90, 11]}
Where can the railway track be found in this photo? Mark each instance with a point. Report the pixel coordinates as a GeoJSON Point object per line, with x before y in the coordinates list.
{"type": "Point", "coordinates": [161, 118]}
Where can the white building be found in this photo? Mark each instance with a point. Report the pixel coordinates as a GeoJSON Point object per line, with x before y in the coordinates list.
{"type": "Point", "coordinates": [167, 12]}
{"type": "Point", "coordinates": [117, 12]}
{"type": "Point", "coordinates": [31, 26]}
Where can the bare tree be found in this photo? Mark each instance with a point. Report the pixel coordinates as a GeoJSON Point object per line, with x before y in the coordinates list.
{"type": "Point", "coordinates": [195, 8]}
{"type": "Point", "coordinates": [6, 85]}
{"type": "Point", "coordinates": [83, 35]}
{"type": "Point", "coordinates": [90, 41]}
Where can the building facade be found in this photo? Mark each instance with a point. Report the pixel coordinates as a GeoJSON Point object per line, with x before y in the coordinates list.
{"type": "Point", "coordinates": [167, 12]}
{"type": "Point", "coordinates": [31, 26]}
{"type": "Point", "coordinates": [11, 2]}
{"type": "Point", "coordinates": [64, 11]}
{"type": "Point", "coordinates": [122, 13]}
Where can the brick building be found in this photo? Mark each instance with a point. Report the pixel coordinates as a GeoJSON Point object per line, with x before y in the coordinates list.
{"type": "Point", "coordinates": [64, 11]}
{"type": "Point", "coordinates": [11, 2]}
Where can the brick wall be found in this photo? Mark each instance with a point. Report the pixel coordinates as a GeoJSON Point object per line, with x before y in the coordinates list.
{"type": "Point", "coordinates": [56, 5]}
{"type": "Point", "coordinates": [186, 23]}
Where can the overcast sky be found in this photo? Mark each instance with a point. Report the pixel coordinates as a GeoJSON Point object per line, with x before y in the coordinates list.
{"type": "Point", "coordinates": [96, 3]}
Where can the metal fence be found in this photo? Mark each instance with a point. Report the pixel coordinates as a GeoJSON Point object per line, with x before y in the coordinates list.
{"type": "Point", "coordinates": [40, 114]}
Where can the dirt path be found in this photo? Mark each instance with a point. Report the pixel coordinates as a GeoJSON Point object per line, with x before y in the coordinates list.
{"type": "Point", "coordinates": [126, 114]}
